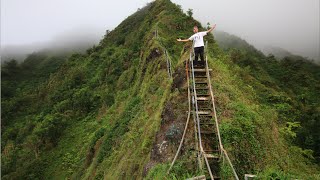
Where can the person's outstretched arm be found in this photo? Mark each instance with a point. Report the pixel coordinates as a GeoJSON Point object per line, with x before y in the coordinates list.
{"type": "Point", "coordinates": [211, 28]}
{"type": "Point", "coordinates": [183, 40]}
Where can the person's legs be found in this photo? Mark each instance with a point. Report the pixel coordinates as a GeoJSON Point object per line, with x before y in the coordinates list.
{"type": "Point", "coordinates": [201, 52]}
{"type": "Point", "coordinates": [196, 55]}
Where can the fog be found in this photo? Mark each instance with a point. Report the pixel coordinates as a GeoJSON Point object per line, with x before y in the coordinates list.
{"type": "Point", "coordinates": [289, 24]}
{"type": "Point", "coordinates": [74, 41]}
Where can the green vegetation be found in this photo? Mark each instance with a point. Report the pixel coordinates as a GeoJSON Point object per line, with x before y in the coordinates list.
{"type": "Point", "coordinates": [96, 115]}
{"type": "Point", "coordinates": [279, 109]}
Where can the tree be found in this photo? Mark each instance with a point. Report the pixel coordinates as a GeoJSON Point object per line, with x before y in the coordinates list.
{"type": "Point", "coordinates": [180, 8]}
{"type": "Point", "coordinates": [107, 32]}
{"type": "Point", "coordinates": [33, 142]}
{"type": "Point", "coordinates": [208, 25]}
{"type": "Point", "coordinates": [10, 68]}
{"type": "Point", "coordinates": [190, 12]}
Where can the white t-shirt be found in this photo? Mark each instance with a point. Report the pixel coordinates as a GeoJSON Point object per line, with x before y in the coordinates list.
{"type": "Point", "coordinates": [197, 39]}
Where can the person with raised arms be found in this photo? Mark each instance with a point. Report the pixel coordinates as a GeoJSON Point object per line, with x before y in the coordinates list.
{"type": "Point", "coordinates": [198, 43]}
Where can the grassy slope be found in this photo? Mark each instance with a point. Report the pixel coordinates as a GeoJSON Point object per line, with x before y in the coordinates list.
{"type": "Point", "coordinates": [131, 154]}
{"type": "Point", "coordinates": [105, 100]}
{"type": "Point", "coordinates": [250, 129]}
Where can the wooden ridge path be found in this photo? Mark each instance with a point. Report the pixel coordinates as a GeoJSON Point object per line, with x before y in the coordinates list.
{"type": "Point", "coordinates": [209, 147]}
{"type": "Point", "coordinates": [203, 112]}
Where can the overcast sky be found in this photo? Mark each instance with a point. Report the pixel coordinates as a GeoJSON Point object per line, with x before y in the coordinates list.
{"type": "Point", "coordinates": [289, 24]}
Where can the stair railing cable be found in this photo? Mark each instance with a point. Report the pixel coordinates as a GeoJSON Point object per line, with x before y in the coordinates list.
{"type": "Point", "coordinates": [187, 123]}
{"type": "Point", "coordinates": [156, 34]}
{"type": "Point", "coordinates": [194, 109]}
{"type": "Point", "coordinates": [222, 150]}
{"type": "Point", "coordinates": [212, 99]}
{"type": "Point", "coordinates": [194, 118]}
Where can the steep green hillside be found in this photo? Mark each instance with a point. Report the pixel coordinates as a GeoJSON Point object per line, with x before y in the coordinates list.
{"type": "Point", "coordinates": [296, 81]}
{"type": "Point", "coordinates": [18, 81]}
{"type": "Point", "coordinates": [106, 113]}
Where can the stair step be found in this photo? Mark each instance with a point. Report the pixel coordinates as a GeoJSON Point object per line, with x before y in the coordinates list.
{"type": "Point", "coordinates": [204, 103]}
{"type": "Point", "coordinates": [212, 150]}
{"type": "Point", "coordinates": [204, 112]}
{"type": "Point", "coordinates": [200, 77]}
{"type": "Point", "coordinates": [206, 123]}
{"type": "Point", "coordinates": [207, 132]}
{"type": "Point", "coordinates": [211, 156]}
{"type": "Point", "coordinates": [204, 108]}
{"type": "Point", "coordinates": [206, 119]}
{"type": "Point", "coordinates": [201, 82]}
{"type": "Point", "coordinates": [206, 115]}
{"type": "Point", "coordinates": [215, 178]}
{"type": "Point", "coordinates": [197, 64]}
{"type": "Point", "coordinates": [202, 177]}
{"type": "Point", "coordinates": [201, 70]}
{"type": "Point", "coordinates": [198, 94]}
{"type": "Point", "coordinates": [203, 98]}
{"type": "Point", "coordinates": [202, 88]}
{"type": "Point", "coordinates": [206, 96]}
{"type": "Point", "coordinates": [201, 94]}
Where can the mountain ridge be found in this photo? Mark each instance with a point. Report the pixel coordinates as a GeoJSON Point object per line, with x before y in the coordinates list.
{"type": "Point", "coordinates": [100, 115]}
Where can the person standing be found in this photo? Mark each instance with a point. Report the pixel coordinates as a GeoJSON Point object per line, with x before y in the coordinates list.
{"type": "Point", "coordinates": [198, 43]}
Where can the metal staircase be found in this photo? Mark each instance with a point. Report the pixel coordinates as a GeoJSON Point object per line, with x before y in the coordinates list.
{"type": "Point", "coordinates": [209, 148]}
{"type": "Point", "coordinates": [203, 113]}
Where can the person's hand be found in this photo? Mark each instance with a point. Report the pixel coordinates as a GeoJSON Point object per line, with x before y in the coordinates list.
{"type": "Point", "coordinates": [179, 39]}
{"type": "Point", "coordinates": [214, 26]}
